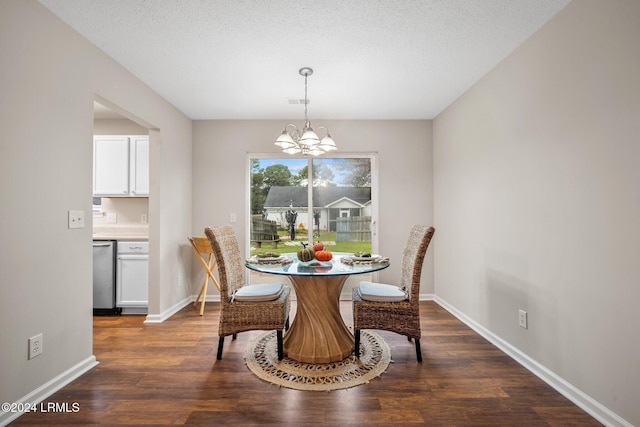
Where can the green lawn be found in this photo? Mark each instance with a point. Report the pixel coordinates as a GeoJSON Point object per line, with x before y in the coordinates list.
{"type": "Point", "coordinates": [325, 236]}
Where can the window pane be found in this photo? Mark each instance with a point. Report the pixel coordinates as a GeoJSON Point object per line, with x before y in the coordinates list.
{"type": "Point", "coordinates": [278, 203]}
{"type": "Point", "coordinates": [342, 200]}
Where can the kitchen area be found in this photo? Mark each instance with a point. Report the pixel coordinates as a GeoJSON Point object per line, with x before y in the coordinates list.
{"type": "Point", "coordinates": [120, 216]}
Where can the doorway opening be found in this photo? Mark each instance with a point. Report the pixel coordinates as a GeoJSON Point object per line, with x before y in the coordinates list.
{"type": "Point", "coordinates": [121, 209]}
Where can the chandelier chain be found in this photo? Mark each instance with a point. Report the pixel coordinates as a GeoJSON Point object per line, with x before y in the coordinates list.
{"type": "Point", "coordinates": [306, 100]}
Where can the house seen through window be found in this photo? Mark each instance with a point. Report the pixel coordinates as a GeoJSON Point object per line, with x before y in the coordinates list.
{"type": "Point", "coordinates": [338, 210]}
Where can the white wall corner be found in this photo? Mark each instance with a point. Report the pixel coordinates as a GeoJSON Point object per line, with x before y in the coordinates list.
{"type": "Point", "coordinates": [159, 318]}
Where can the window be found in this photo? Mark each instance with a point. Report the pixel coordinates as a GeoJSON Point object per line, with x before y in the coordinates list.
{"type": "Point", "coordinates": [339, 209]}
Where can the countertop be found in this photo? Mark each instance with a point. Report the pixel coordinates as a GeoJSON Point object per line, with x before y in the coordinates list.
{"type": "Point", "coordinates": [122, 237]}
{"type": "Point", "coordinates": [123, 233]}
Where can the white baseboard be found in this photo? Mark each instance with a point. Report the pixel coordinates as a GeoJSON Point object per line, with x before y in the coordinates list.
{"type": "Point", "coordinates": [50, 387]}
{"type": "Point", "coordinates": [578, 397]}
{"type": "Point", "coordinates": [159, 318]}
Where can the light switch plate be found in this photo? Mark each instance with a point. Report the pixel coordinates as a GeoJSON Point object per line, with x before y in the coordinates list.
{"type": "Point", "coordinates": [76, 219]}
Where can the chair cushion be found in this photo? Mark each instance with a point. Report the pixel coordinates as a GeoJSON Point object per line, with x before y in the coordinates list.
{"type": "Point", "coordinates": [381, 293]}
{"type": "Point", "coordinates": [261, 292]}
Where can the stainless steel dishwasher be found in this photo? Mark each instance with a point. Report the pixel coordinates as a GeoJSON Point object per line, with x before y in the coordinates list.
{"type": "Point", "coordinates": [104, 277]}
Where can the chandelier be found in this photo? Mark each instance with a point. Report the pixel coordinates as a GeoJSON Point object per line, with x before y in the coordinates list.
{"type": "Point", "coordinates": [294, 141]}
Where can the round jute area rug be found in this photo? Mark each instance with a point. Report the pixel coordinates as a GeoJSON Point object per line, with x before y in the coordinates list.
{"type": "Point", "coordinates": [261, 357]}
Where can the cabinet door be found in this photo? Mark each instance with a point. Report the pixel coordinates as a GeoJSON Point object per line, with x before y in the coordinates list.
{"type": "Point", "coordinates": [139, 184]}
{"type": "Point", "coordinates": [132, 281]}
{"type": "Point", "coordinates": [111, 166]}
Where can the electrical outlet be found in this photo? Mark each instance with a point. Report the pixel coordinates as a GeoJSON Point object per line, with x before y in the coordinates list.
{"type": "Point", "coordinates": [233, 217]}
{"type": "Point", "coordinates": [35, 346]}
{"type": "Point", "coordinates": [522, 319]}
{"type": "Point", "coordinates": [76, 219]}
{"type": "Point", "coordinates": [112, 218]}
{"type": "Point", "coordinates": [143, 218]}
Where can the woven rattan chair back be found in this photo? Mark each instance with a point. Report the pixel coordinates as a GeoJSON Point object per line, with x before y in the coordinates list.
{"type": "Point", "coordinates": [227, 252]}
{"type": "Point", "coordinates": [413, 259]}
{"type": "Point", "coordinates": [243, 316]}
{"type": "Point", "coordinates": [402, 317]}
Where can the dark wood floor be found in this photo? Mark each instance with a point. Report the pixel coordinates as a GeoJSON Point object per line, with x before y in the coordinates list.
{"type": "Point", "coordinates": [166, 373]}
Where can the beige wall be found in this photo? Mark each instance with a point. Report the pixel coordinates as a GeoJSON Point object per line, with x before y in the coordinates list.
{"type": "Point", "coordinates": [118, 127]}
{"type": "Point", "coordinates": [537, 203]}
{"type": "Point", "coordinates": [49, 79]}
{"type": "Point", "coordinates": [404, 162]}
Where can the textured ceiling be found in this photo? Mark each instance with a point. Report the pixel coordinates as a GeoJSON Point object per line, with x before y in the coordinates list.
{"type": "Point", "coordinates": [373, 59]}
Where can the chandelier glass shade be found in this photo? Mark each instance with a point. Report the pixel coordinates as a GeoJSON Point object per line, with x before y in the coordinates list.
{"type": "Point", "coordinates": [307, 141]}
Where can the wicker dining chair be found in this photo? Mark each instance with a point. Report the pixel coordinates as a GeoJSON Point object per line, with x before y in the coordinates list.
{"type": "Point", "coordinates": [245, 307]}
{"type": "Point", "coordinates": [393, 308]}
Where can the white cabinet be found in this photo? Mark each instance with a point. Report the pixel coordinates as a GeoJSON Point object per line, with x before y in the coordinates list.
{"type": "Point", "coordinates": [139, 166]}
{"type": "Point", "coordinates": [111, 166]}
{"type": "Point", "coordinates": [132, 275]}
{"type": "Point", "coordinates": [120, 166]}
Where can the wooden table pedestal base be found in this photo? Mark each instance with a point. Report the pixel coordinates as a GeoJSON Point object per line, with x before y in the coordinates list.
{"type": "Point", "coordinates": [318, 333]}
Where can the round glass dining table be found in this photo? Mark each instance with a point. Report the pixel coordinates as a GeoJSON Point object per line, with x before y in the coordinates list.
{"type": "Point", "coordinates": [318, 333]}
